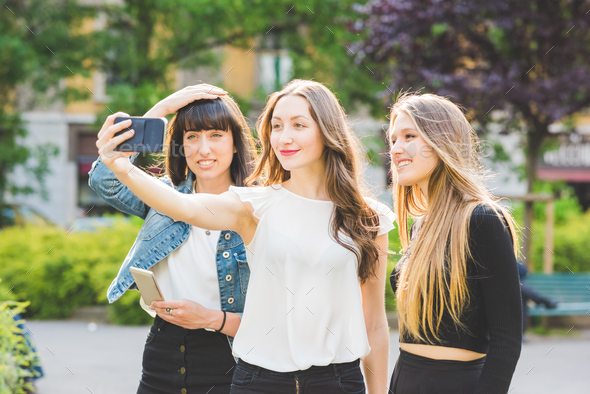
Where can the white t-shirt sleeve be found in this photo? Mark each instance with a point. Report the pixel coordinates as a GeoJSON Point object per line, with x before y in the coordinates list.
{"type": "Point", "coordinates": [259, 197]}
{"type": "Point", "coordinates": [386, 215]}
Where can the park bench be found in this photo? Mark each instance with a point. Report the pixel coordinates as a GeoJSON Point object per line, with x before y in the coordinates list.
{"type": "Point", "coordinates": [571, 291]}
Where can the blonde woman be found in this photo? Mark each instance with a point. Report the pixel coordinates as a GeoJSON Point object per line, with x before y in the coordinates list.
{"type": "Point", "coordinates": [457, 286]}
{"type": "Point", "coordinates": [315, 245]}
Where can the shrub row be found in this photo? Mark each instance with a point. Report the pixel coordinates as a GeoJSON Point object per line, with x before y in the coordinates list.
{"type": "Point", "coordinates": [58, 271]}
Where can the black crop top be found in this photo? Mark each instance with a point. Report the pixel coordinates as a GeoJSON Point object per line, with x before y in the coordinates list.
{"type": "Point", "coordinates": [494, 314]}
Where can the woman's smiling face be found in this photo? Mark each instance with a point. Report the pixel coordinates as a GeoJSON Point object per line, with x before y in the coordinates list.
{"type": "Point", "coordinates": [411, 157]}
{"type": "Point", "coordinates": [295, 138]}
{"type": "Point", "coordinates": [209, 153]}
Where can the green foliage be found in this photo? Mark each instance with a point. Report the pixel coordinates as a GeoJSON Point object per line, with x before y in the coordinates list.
{"type": "Point", "coordinates": [58, 271]}
{"type": "Point", "coordinates": [144, 41]}
{"type": "Point", "coordinates": [16, 359]}
{"type": "Point", "coordinates": [126, 311]}
{"type": "Point", "coordinates": [38, 49]}
{"type": "Point", "coordinates": [394, 249]}
{"type": "Point", "coordinates": [374, 146]}
{"type": "Point", "coordinates": [566, 205]}
{"type": "Point", "coordinates": [439, 28]}
{"type": "Point", "coordinates": [571, 234]}
{"type": "Point", "coordinates": [570, 239]}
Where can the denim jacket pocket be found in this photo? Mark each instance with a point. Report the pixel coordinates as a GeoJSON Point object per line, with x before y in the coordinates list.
{"type": "Point", "coordinates": [244, 271]}
{"type": "Point", "coordinates": [154, 224]}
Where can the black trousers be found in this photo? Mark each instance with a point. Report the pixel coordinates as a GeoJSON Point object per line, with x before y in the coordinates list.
{"type": "Point", "coordinates": [179, 360]}
{"type": "Point", "coordinates": [330, 379]}
{"type": "Point", "coordinates": [415, 374]}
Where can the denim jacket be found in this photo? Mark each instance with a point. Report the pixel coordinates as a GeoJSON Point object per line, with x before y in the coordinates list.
{"type": "Point", "coordinates": [160, 235]}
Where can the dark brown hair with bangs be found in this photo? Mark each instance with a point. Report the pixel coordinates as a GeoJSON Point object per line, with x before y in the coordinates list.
{"type": "Point", "coordinates": [222, 113]}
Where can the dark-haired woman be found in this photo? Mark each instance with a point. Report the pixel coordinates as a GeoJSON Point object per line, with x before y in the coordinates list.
{"type": "Point", "coordinates": [457, 285]}
{"type": "Point", "coordinates": [202, 273]}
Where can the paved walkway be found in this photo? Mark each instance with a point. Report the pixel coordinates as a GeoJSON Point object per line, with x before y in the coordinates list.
{"type": "Point", "coordinates": [104, 359]}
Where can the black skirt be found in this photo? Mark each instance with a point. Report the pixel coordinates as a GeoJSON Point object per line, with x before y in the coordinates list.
{"type": "Point", "coordinates": [179, 360]}
{"type": "Point", "coordinates": [415, 374]}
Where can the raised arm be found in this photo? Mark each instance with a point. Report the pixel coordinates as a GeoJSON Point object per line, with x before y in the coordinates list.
{"type": "Point", "coordinates": [373, 291]}
{"type": "Point", "coordinates": [105, 183]}
{"type": "Point", "coordinates": [109, 188]}
{"type": "Point", "coordinates": [214, 212]}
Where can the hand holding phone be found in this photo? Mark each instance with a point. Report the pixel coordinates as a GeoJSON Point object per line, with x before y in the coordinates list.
{"type": "Point", "coordinates": [147, 285]}
{"type": "Point", "coordinates": [148, 137]}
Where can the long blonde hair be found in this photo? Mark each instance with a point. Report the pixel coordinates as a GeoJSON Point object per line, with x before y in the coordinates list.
{"type": "Point", "coordinates": [436, 274]}
{"type": "Point", "coordinates": [352, 215]}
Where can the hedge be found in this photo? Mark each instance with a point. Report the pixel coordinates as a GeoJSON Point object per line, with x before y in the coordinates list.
{"type": "Point", "coordinates": [58, 271]}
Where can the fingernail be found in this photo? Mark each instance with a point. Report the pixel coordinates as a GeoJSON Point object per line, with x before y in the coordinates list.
{"type": "Point", "coordinates": [132, 131]}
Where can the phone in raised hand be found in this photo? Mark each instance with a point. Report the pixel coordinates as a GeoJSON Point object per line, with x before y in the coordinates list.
{"type": "Point", "coordinates": [149, 134]}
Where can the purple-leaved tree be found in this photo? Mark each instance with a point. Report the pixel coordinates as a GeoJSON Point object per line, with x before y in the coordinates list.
{"type": "Point", "coordinates": [529, 59]}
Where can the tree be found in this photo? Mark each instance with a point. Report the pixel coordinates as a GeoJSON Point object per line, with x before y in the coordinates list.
{"type": "Point", "coordinates": [143, 41]}
{"type": "Point", "coordinates": [529, 59]}
{"type": "Point", "coordinates": [38, 47]}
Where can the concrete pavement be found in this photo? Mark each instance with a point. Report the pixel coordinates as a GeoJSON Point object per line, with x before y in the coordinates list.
{"type": "Point", "coordinates": [105, 359]}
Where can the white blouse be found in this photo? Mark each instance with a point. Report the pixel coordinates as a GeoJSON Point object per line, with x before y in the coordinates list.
{"type": "Point", "coordinates": [304, 304]}
{"type": "Point", "coordinates": [190, 271]}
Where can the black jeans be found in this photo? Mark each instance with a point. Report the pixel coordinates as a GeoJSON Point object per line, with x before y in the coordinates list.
{"type": "Point", "coordinates": [179, 360]}
{"type": "Point", "coordinates": [415, 374]}
{"type": "Point", "coordinates": [329, 379]}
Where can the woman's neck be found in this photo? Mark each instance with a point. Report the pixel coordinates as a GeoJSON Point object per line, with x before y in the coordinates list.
{"type": "Point", "coordinates": [309, 182]}
{"type": "Point", "coordinates": [212, 186]}
{"type": "Point", "coordinates": [424, 188]}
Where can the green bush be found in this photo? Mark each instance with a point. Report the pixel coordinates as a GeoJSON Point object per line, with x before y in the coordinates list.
{"type": "Point", "coordinates": [16, 358]}
{"type": "Point", "coordinates": [58, 271]}
{"type": "Point", "coordinates": [570, 245]}
{"type": "Point", "coordinates": [127, 311]}
{"type": "Point", "coordinates": [571, 234]}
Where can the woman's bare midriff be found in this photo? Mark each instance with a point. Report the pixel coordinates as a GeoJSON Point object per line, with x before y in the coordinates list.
{"type": "Point", "coordinates": [440, 352]}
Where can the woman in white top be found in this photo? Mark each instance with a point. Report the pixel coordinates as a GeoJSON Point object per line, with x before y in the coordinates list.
{"type": "Point", "coordinates": [316, 247]}
{"type": "Point", "coordinates": [203, 274]}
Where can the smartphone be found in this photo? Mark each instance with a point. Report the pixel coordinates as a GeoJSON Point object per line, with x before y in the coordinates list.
{"type": "Point", "coordinates": [147, 285]}
{"type": "Point", "coordinates": [149, 135]}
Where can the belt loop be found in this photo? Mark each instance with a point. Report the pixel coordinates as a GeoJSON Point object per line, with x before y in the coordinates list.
{"type": "Point", "coordinates": [336, 372]}
{"type": "Point", "coordinates": [257, 370]}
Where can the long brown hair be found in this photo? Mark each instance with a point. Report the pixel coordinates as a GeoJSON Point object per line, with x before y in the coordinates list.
{"type": "Point", "coordinates": [222, 113]}
{"type": "Point", "coordinates": [436, 268]}
{"type": "Point", "coordinates": [352, 215]}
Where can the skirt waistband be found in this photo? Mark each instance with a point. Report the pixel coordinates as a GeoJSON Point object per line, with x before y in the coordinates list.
{"type": "Point", "coordinates": [314, 370]}
{"type": "Point", "coordinates": [167, 327]}
{"type": "Point", "coordinates": [440, 365]}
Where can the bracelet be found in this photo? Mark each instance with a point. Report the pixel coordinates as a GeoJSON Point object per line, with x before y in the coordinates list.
{"type": "Point", "coordinates": [222, 324]}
